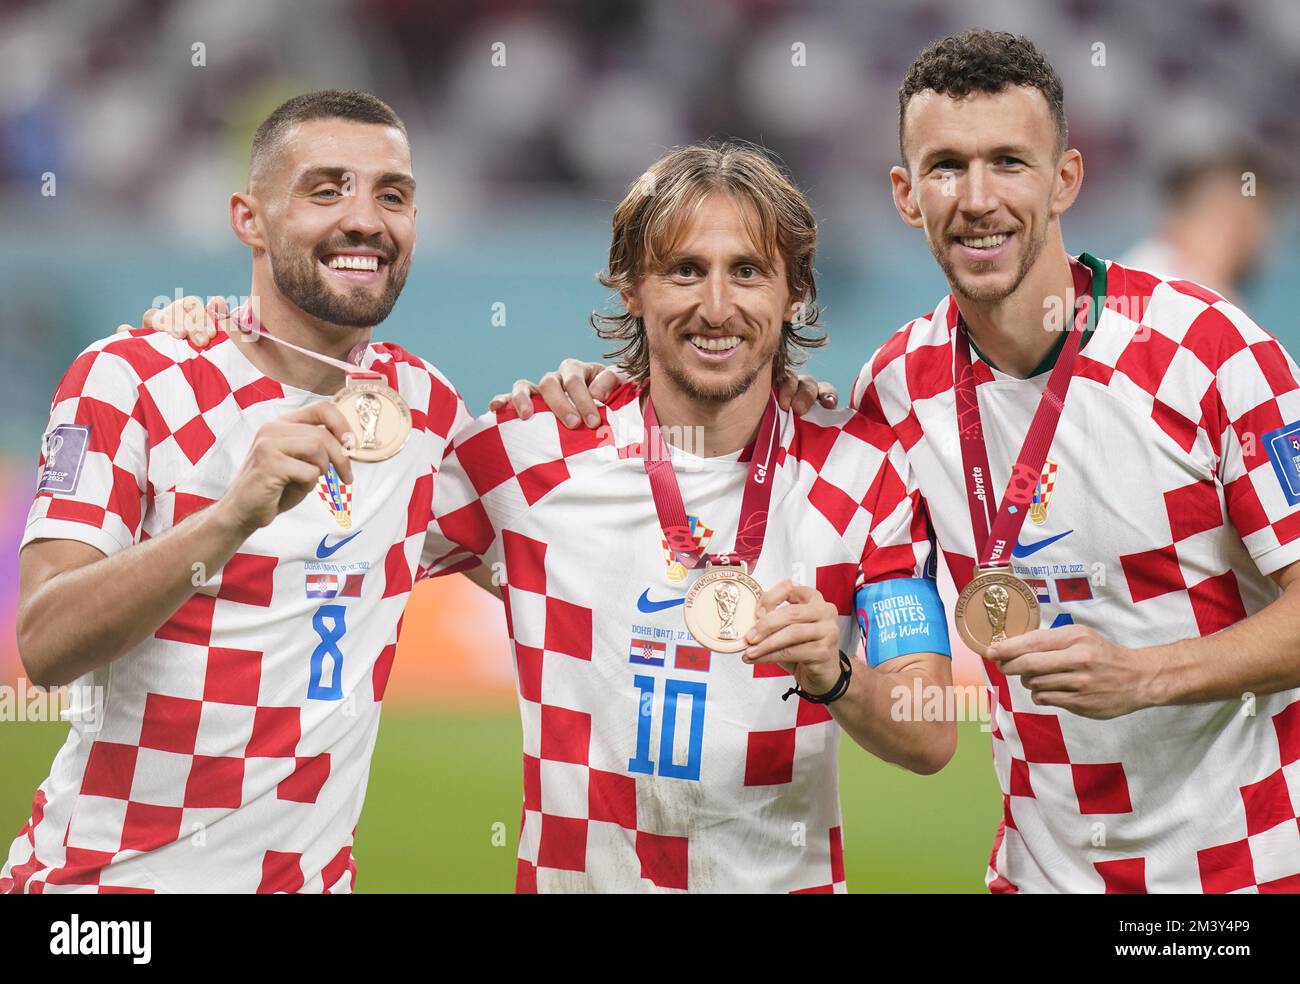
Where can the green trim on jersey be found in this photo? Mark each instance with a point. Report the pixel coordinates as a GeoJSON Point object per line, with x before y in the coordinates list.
{"type": "Point", "coordinates": [1098, 293]}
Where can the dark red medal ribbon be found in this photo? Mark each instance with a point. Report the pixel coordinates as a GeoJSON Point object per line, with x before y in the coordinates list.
{"type": "Point", "coordinates": [753, 503]}
{"type": "Point", "coordinates": [247, 322]}
{"type": "Point", "coordinates": [995, 537]}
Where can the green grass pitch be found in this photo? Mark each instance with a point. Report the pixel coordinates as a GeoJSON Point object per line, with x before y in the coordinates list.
{"type": "Point", "coordinates": [442, 780]}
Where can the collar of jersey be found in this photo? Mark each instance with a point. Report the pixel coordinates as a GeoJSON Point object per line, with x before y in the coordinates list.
{"type": "Point", "coordinates": [1097, 291]}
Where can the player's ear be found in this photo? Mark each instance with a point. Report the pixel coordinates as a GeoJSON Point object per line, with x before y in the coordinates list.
{"type": "Point", "coordinates": [900, 179]}
{"type": "Point", "coordinates": [243, 219]}
{"type": "Point", "coordinates": [1069, 179]}
{"type": "Point", "coordinates": [631, 302]}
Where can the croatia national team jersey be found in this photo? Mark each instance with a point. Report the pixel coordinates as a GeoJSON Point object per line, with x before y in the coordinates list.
{"type": "Point", "coordinates": [1170, 493]}
{"type": "Point", "coordinates": [230, 751]}
{"type": "Point", "coordinates": [650, 763]}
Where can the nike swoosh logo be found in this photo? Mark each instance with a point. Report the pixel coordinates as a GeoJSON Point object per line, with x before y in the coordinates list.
{"type": "Point", "coordinates": [644, 604]}
{"type": "Point", "coordinates": [324, 551]}
{"type": "Point", "coordinates": [1028, 549]}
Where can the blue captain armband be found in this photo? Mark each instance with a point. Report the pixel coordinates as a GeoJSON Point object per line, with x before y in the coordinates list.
{"type": "Point", "coordinates": [901, 617]}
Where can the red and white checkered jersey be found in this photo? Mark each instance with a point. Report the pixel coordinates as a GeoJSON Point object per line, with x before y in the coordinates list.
{"type": "Point", "coordinates": [651, 763]}
{"type": "Point", "coordinates": [1170, 493]}
{"type": "Point", "coordinates": [230, 751]}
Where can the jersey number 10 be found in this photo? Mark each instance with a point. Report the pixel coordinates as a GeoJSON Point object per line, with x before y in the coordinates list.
{"type": "Point", "coordinates": [673, 689]}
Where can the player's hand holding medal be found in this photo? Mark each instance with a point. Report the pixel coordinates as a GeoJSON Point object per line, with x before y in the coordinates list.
{"type": "Point", "coordinates": [997, 605]}
{"type": "Point", "coordinates": [379, 417]}
{"type": "Point", "coordinates": [723, 605]}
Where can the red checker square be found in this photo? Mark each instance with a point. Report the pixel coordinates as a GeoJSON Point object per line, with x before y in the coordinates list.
{"type": "Point", "coordinates": [1217, 602]}
{"type": "Point", "coordinates": [397, 571]}
{"type": "Point", "coordinates": [1146, 360]}
{"type": "Point", "coordinates": [568, 628]}
{"type": "Point", "coordinates": [525, 878]}
{"type": "Point", "coordinates": [124, 500]}
{"type": "Point", "coordinates": [148, 827]}
{"type": "Point", "coordinates": [76, 512]}
{"type": "Point", "coordinates": [563, 843]}
{"type": "Point", "coordinates": [1267, 803]}
{"type": "Point", "coordinates": [81, 867]}
{"type": "Point", "coordinates": [1286, 723]}
{"type": "Point", "coordinates": [537, 481]}
{"type": "Point", "coordinates": [485, 460]}
{"type": "Point", "coordinates": [276, 731]}
{"type": "Point", "coordinates": [1289, 885]}
{"type": "Point", "coordinates": [195, 439]}
{"type": "Point", "coordinates": [837, 854]}
{"type": "Point", "coordinates": [207, 382]}
{"type": "Point", "coordinates": [184, 504]}
{"type": "Point", "coordinates": [170, 723]}
{"type": "Point", "coordinates": [383, 668]}
{"type": "Point", "coordinates": [1273, 363]}
{"type": "Point", "coordinates": [1101, 788]}
{"type": "Point", "coordinates": [663, 859]}
{"type": "Point", "coordinates": [812, 443]}
{"type": "Point", "coordinates": [529, 664]}
{"type": "Point", "coordinates": [769, 757]}
{"type": "Point", "coordinates": [304, 784]}
{"type": "Point", "coordinates": [532, 783]}
{"type": "Point", "coordinates": [1251, 425]}
{"type": "Point", "coordinates": [525, 562]}
{"type": "Point", "coordinates": [1040, 735]}
{"type": "Point", "coordinates": [928, 370]}
{"type": "Point", "coordinates": [1226, 868]}
{"type": "Point", "coordinates": [136, 351]}
{"type": "Point", "coordinates": [248, 579]}
{"type": "Point", "coordinates": [909, 430]}
{"type": "Point", "coordinates": [233, 676]}
{"type": "Point", "coordinates": [215, 782]}
{"type": "Point", "coordinates": [106, 424]}
{"type": "Point", "coordinates": [1152, 573]}
{"type": "Point", "coordinates": [1020, 784]}
{"type": "Point", "coordinates": [281, 872]}
{"type": "Point", "coordinates": [1244, 507]}
{"type": "Point", "coordinates": [815, 890]}
{"type": "Point", "coordinates": [764, 670]}
{"type": "Point", "coordinates": [1193, 509]}
{"type": "Point", "coordinates": [566, 735]}
{"type": "Point", "coordinates": [810, 713]}
{"type": "Point", "coordinates": [1123, 876]}
{"type": "Point", "coordinates": [192, 622]}
{"type": "Point", "coordinates": [1287, 528]}
{"type": "Point", "coordinates": [419, 509]}
{"type": "Point", "coordinates": [470, 527]}
{"type": "Point", "coordinates": [838, 508]}
{"type": "Point", "coordinates": [110, 769]}
{"type": "Point", "coordinates": [612, 797]}
{"type": "Point", "coordinates": [257, 392]}
{"type": "Point", "coordinates": [835, 582]}
{"type": "Point", "coordinates": [1179, 428]}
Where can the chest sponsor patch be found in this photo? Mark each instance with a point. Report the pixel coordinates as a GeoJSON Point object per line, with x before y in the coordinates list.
{"type": "Point", "coordinates": [1283, 447]}
{"type": "Point", "coordinates": [65, 453]}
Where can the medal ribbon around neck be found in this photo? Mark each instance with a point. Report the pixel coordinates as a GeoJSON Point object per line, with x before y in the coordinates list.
{"type": "Point", "coordinates": [377, 414]}
{"type": "Point", "coordinates": [995, 538]}
{"type": "Point", "coordinates": [249, 323]}
{"type": "Point", "coordinates": [753, 504]}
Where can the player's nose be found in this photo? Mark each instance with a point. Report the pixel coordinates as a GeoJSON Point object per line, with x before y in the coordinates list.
{"type": "Point", "coordinates": [362, 216]}
{"type": "Point", "coordinates": [717, 302]}
{"type": "Point", "coordinates": [977, 194]}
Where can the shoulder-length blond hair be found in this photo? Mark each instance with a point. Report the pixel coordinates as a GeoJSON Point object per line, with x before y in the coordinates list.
{"type": "Point", "coordinates": [650, 220]}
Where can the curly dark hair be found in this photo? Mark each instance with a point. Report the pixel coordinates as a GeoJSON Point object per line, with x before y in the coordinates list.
{"type": "Point", "coordinates": [651, 217]}
{"type": "Point", "coordinates": [983, 61]}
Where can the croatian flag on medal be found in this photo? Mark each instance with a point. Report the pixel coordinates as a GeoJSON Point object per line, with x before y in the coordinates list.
{"type": "Point", "coordinates": [700, 533]}
{"type": "Point", "coordinates": [337, 496]}
{"type": "Point", "coordinates": [1043, 493]}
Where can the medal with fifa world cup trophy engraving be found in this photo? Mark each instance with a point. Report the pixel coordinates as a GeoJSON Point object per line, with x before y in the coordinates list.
{"type": "Point", "coordinates": [996, 604]}
{"type": "Point", "coordinates": [378, 416]}
{"type": "Point", "coordinates": [722, 605]}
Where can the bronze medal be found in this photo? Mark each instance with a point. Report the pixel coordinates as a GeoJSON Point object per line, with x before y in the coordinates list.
{"type": "Point", "coordinates": [379, 418]}
{"type": "Point", "coordinates": [721, 607]}
{"type": "Point", "coordinates": [994, 606]}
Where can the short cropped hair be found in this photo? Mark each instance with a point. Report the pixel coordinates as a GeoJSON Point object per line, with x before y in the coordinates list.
{"type": "Point", "coordinates": [983, 61]}
{"type": "Point", "coordinates": [328, 104]}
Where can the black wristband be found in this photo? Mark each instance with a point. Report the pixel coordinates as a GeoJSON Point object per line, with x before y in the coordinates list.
{"type": "Point", "coordinates": [835, 693]}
